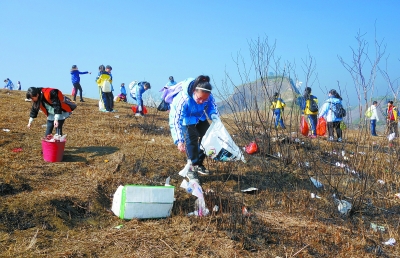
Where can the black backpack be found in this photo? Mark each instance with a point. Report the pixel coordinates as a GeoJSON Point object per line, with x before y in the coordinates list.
{"type": "Point", "coordinates": [338, 110]}
{"type": "Point", "coordinates": [313, 104]}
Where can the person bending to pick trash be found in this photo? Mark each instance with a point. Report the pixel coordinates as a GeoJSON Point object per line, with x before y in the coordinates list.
{"type": "Point", "coordinates": [137, 94]}
{"type": "Point", "coordinates": [51, 102]}
{"type": "Point", "coordinates": [188, 120]}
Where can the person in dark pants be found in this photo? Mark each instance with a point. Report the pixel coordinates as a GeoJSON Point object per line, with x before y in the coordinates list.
{"type": "Point", "coordinates": [76, 79]}
{"type": "Point", "coordinates": [333, 122]}
{"type": "Point", "coordinates": [51, 102]}
{"type": "Point", "coordinates": [188, 120]}
{"type": "Point", "coordinates": [311, 111]}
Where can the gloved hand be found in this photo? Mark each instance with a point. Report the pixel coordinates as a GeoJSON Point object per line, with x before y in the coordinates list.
{"type": "Point", "coordinates": [215, 118]}
{"type": "Point", "coordinates": [140, 108]}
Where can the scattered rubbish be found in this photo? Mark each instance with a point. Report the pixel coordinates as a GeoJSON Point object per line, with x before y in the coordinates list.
{"type": "Point", "coordinates": [338, 164]}
{"type": "Point", "coordinates": [195, 189]}
{"type": "Point", "coordinates": [185, 170]}
{"type": "Point", "coordinates": [116, 116]}
{"type": "Point", "coordinates": [245, 212]}
{"type": "Point", "coordinates": [397, 195]}
{"type": "Point", "coordinates": [17, 150]}
{"type": "Point", "coordinates": [218, 144]}
{"type": "Point", "coordinates": [125, 131]}
{"type": "Point", "coordinates": [344, 206]}
{"type": "Point", "coordinates": [53, 147]}
{"type": "Point", "coordinates": [381, 182]}
{"type": "Point", "coordinates": [27, 100]}
{"type": "Point", "coordinates": [250, 190]}
{"type": "Point", "coordinates": [390, 242]}
{"type": "Point", "coordinates": [119, 226]}
{"type": "Point", "coordinates": [106, 160]}
{"type": "Point", "coordinates": [6, 130]}
{"type": "Point", "coordinates": [44, 126]}
{"type": "Point", "coordinates": [143, 201]}
{"type": "Point", "coordinates": [316, 183]}
{"type": "Point", "coordinates": [343, 153]}
{"type": "Point", "coordinates": [216, 208]}
{"type": "Point", "coordinates": [376, 227]}
{"type": "Point", "coordinates": [313, 195]}
{"type": "Point", "coordinates": [152, 140]}
{"type": "Point", "coordinates": [167, 181]}
{"type": "Point", "coordinates": [278, 154]}
{"type": "Point", "coordinates": [55, 138]}
{"type": "Point", "coordinates": [362, 153]}
{"type": "Point", "coordinates": [251, 148]}
{"type": "Point", "coordinates": [391, 136]}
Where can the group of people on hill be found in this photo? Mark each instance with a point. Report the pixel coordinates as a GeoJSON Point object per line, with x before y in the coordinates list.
{"type": "Point", "coordinates": [10, 85]}
{"type": "Point", "coordinates": [309, 106]}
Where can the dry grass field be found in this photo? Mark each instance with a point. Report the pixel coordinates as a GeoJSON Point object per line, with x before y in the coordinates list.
{"type": "Point", "coordinates": [63, 209]}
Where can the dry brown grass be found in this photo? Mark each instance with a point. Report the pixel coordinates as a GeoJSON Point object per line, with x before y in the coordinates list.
{"type": "Point", "coordinates": [63, 209]}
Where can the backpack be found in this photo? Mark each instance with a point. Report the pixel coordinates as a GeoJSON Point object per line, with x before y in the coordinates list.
{"type": "Point", "coordinates": [71, 104]}
{"type": "Point", "coordinates": [338, 110]}
{"type": "Point", "coordinates": [368, 113]}
{"type": "Point", "coordinates": [106, 86]}
{"type": "Point", "coordinates": [313, 105]}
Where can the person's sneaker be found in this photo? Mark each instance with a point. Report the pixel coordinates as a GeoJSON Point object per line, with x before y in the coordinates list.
{"type": "Point", "coordinates": [114, 110]}
{"type": "Point", "coordinates": [202, 170]}
{"type": "Point", "coordinates": [138, 114]}
{"type": "Point", "coordinates": [192, 174]}
{"type": "Point", "coordinates": [330, 139]}
{"type": "Point", "coordinates": [339, 139]}
{"type": "Point", "coordinates": [82, 100]}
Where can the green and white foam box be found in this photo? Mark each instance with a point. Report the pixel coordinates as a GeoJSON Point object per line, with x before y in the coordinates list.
{"type": "Point", "coordinates": [143, 202]}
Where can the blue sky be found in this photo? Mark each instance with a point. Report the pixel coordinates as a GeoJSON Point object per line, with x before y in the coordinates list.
{"type": "Point", "coordinates": [151, 40]}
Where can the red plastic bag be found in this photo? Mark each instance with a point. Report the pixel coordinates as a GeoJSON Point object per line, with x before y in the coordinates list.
{"type": "Point", "coordinates": [144, 109]}
{"type": "Point", "coordinates": [304, 126]}
{"type": "Point", "coordinates": [73, 91]}
{"type": "Point", "coordinates": [251, 148]}
{"type": "Point", "coordinates": [321, 126]}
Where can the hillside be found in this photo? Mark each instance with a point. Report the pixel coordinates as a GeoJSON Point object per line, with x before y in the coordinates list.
{"type": "Point", "coordinates": [63, 209]}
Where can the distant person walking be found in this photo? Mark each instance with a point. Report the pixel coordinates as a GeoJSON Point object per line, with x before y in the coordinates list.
{"type": "Point", "coordinates": [19, 85]}
{"type": "Point", "coordinates": [137, 94]}
{"type": "Point", "coordinates": [9, 84]}
{"type": "Point", "coordinates": [51, 102]}
{"type": "Point", "coordinates": [278, 106]}
{"type": "Point", "coordinates": [311, 111]}
{"type": "Point", "coordinates": [392, 118]}
{"type": "Point", "coordinates": [373, 117]}
{"type": "Point", "coordinates": [171, 81]}
{"type": "Point", "coordinates": [76, 79]}
{"type": "Point", "coordinates": [333, 122]}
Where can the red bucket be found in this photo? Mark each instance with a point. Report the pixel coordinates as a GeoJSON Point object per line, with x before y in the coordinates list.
{"type": "Point", "coordinates": [53, 151]}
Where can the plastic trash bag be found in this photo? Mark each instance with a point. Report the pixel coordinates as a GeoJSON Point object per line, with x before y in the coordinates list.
{"type": "Point", "coordinates": [251, 148]}
{"type": "Point", "coordinates": [304, 126]}
{"type": "Point", "coordinates": [321, 126]}
{"type": "Point", "coordinates": [218, 144]}
{"type": "Point", "coordinates": [134, 107]}
{"type": "Point", "coordinates": [316, 183]}
{"type": "Point", "coordinates": [73, 91]}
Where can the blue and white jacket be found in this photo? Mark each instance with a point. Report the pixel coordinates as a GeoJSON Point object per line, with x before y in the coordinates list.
{"type": "Point", "coordinates": [185, 111]}
{"type": "Point", "coordinates": [137, 93]}
{"type": "Point", "coordinates": [326, 110]}
{"type": "Point", "coordinates": [10, 85]}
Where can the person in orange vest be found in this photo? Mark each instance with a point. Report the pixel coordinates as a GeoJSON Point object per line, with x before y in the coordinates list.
{"type": "Point", "coordinates": [51, 102]}
{"type": "Point", "coordinates": [392, 119]}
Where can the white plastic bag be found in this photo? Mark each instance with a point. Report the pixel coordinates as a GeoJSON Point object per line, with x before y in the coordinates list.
{"type": "Point", "coordinates": [218, 144]}
{"type": "Point", "coordinates": [101, 105]}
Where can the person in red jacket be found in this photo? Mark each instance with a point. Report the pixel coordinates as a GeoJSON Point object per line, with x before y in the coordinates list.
{"type": "Point", "coordinates": [51, 102]}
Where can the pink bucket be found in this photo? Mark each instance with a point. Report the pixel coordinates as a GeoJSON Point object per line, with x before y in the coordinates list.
{"type": "Point", "coordinates": [53, 151]}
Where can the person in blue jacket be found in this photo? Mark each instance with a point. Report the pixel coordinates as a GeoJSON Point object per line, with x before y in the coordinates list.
{"type": "Point", "coordinates": [171, 82]}
{"type": "Point", "coordinates": [76, 81]}
{"type": "Point", "coordinates": [137, 94]}
{"type": "Point", "coordinates": [333, 122]}
{"type": "Point", "coordinates": [9, 85]}
{"type": "Point", "coordinates": [188, 120]}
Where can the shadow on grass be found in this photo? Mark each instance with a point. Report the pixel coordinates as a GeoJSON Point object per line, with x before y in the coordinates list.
{"type": "Point", "coordinates": [92, 151]}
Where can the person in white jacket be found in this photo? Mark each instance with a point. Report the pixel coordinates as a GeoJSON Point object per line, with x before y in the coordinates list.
{"type": "Point", "coordinates": [374, 117]}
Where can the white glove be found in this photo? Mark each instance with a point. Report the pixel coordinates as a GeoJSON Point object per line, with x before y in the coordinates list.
{"type": "Point", "coordinates": [215, 118]}
{"type": "Point", "coordinates": [140, 108]}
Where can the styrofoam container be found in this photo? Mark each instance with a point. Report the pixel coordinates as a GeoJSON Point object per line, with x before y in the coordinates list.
{"type": "Point", "coordinates": [143, 202]}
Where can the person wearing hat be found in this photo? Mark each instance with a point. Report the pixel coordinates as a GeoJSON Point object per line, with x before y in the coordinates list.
{"type": "Point", "coordinates": [311, 111]}
{"type": "Point", "coordinates": [76, 81]}
{"type": "Point", "coordinates": [277, 107]}
{"type": "Point", "coordinates": [108, 70]}
{"type": "Point", "coordinates": [171, 82]}
{"type": "Point", "coordinates": [104, 81]}
{"type": "Point", "coordinates": [392, 118]}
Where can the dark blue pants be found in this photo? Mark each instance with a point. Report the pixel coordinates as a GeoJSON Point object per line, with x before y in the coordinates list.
{"type": "Point", "coordinates": [77, 87]}
{"type": "Point", "coordinates": [50, 127]}
{"type": "Point", "coordinates": [312, 121]}
{"type": "Point", "coordinates": [193, 135]}
{"type": "Point", "coordinates": [278, 118]}
{"type": "Point", "coordinates": [108, 100]}
{"type": "Point", "coordinates": [373, 127]}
